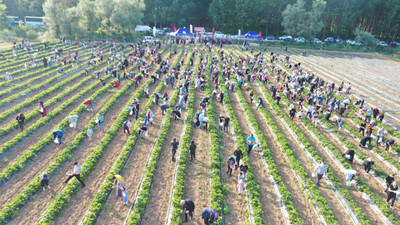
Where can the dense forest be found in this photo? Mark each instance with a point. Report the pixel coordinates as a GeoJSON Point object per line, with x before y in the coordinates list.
{"type": "Point", "coordinates": [337, 18]}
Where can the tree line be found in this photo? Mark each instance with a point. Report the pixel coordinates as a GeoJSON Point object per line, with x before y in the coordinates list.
{"type": "Point", "coordinates": [310, 18]}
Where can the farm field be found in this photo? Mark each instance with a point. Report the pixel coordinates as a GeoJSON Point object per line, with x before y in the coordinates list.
{"type": "Point", "coordinates": [207, 84]}
{"type": "Point", "coordinates": [374, 77]}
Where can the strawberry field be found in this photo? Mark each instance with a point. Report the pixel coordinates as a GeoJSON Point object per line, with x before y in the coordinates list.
{"type": "Point", "coordinates": [280, 186]}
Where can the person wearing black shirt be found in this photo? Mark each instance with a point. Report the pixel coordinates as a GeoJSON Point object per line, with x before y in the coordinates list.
{"type": "Point", "coordinates": [367, 165]}
{"type": "Point", "coordinates": [392, 193]}
{"type": "Point", "coordinates": [20, 119]}
{"type": "Point", "coordinates": [389, 180]}
{"type": "Point", "coordinates": [244, 168]}
{"type": "Point", "coordinates": [192, 149]}
{"type": "Point", "coordinates": [174, 147]}
{"type": "Point", "coordinates": [351, 154]}
{"type": "Point", "coordinates": [364, 141]}
{"type": "Point", "coordinates": [362, 128]}
{"type": "Point", "coordinates": [238, 153]}
{"type": "Point", "coordinates": [389, 143]}
{"type": "Point", "coordinates": [226, 123]}
{"type": "Point", "coordinates": [187, 208]}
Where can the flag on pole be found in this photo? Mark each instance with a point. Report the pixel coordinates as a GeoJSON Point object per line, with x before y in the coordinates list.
{"type": "Point", "coordinates": [174, 29]}
{"type": "Point", "coordinates": [191, 28]}
{"type": "Point", "coordinates": [213, 31]}
{"type": "Point", "coordinates": [154, 31]}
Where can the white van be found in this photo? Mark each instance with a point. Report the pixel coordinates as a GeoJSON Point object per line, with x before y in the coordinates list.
{"type": "Point", "coordinates": [150, 40]}
{"type": "Point", "coordinates": [142, 28]}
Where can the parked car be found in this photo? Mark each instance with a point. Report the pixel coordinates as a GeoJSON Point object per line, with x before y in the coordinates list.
{"type": "Point", "coordinates": [339, 41]}
{"type": "Point", "coordinates": [285, 37]}
{"type": "Point", "coordinates": [300, 39]}
{"type": "Point", "coordinates": [142, 28]}
{"type": "Point", "coordinates": [358, 43]}
{"type": "Point", "coordinates": [150, 40]}
{"type": "Point", "coordinates": [329, 40]}
{"type": "Point", "coordinates": [270, 37]}
{"type": "Point", "coordinates": [316, 40]}
{"type": "Point", "coordinates": [395, 44]}
{"type": "Point", "coordinates": [382, 43]}
{"type": "Point", "coordinates": [350, 42]}
{"type": "Point", "coordinates": [219, 34]}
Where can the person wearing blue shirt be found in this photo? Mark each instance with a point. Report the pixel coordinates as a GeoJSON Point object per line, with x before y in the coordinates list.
{"type": "Point", "coordinates": [250, 142]}
{"type": "Point", "coordinates": [261, 103]}
{"type": "Point", "coordinates": [58, 134]}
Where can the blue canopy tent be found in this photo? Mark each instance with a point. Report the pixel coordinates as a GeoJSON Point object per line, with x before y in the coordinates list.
{"type": "Point", "coordinates": [253, 35]}
{"type": "Point", "coordinates": [183, 32]}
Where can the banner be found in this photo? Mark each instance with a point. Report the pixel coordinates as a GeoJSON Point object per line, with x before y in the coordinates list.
{"type": "Point", "coordinates": [260, 34]}
{"type": "Point", "coordinates": [199, 29]}
{"type": "Point", "coordinates": [174, 29]}
{"type": "Point", "coordinates": [191, 28]}
{"type": "Point", "coordinates": [213, 31]}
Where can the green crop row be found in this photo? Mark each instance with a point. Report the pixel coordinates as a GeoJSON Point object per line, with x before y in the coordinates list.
{"type": "Point", "coordinates": [363, 186]}
{"type": "Point", "coordinates": [14, 64]}
{"type": "Point", "coordinates": [31, 77]}
{"type": "Point", "coordinates": [104, 190]}
{"type": "Point", "coordinates": [37, 87]}
{"type": "Point", "coordinates": [43, 94]}
{"type": "Point", "coordinates": [251, 184]}
{"type": "Point", "coordinates": [315, 194]}
{"type": "Point", "coordinates": [63, 199]}
{"type": "Point", "coordinates": [217, 195]}
{"type": "Point", "coordinates": [308, 147]}
{"type": "Point", "coordinates": [179, 187]}
{"type": "Point", "coordinates": [43, 121]}
{"type": "Point", "coordinates": [11, 209]}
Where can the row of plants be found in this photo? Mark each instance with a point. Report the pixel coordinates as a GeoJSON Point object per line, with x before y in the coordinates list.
{"type": "Point", "coordinates": [178, 190]}
{"type": "Point", "coordinates": [15, 64]}
{"type": "Point", "coordinates": [217, 193]}
{"type": "Point", "coordinates": [355, 110]}
{"type": "Point", "coordinates": [356, 77]}
{"type": "Point", "coordinates": [252, 185]}
{"type": "Point", "coordinates": [363, 186]}
{"type": "Point", "coordinates": [8, 51]}
{"type": "Point", "coordinates": [314, 153]}
{"type": "Point", "coordinates": [28, 90]}
{"type": "Point", "coordinates": [32, 77]}
{"type": "Point", "coordinates": [28, 72]}
{"type": "Point", "coordinates": [301, 138]}
{"type": "Point", "coordinates": [314, 194]}
{"type": "Point", "coordinates": [105, 189]}
{"type": "Point", "coordinates": [354, 132]}
{"type": "Point", "coordinates": [11, 209]}
{"type": "Point", "coordinates": [6, 147]}
{"type": "Point", "coordinates": [47, 92]}
{"type": "Point", "coordinates": [143, 195]}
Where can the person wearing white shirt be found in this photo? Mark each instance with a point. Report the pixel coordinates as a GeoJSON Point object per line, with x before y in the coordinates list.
{"type": "Point", "coordinates": [320, 170]}
{"type": "Point", "coordinates": [379, 135]}
{"type": "Point", "coordinates": [350, 174]}
{"type": "Point", "coordinates": [76, 173]}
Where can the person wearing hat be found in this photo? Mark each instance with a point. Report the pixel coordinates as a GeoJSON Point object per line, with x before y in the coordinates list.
{"type": "Point", "coordinates": [209, 215]}
{"type": "Point", "coordinates": [187, 208]}
{"type": "Point", "coordinates": [76, 173]}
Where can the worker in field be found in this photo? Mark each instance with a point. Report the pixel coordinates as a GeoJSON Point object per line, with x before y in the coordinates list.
{"type": "Point", "coordinates": [89, 104]}
{"type": "Point", "coordinates": [57, 136]}
{"type": "Point", "coordinates": [349, 154]}
{"type": "Point", "coordinates": [209, 215]}
{"type": "Point", "coordinates": [21, 119]}
{"type": "Point", "coordinates": [187, 208]}
{"type": "Point", "coordinates": [174, 147]}
{"type": "Point", "coordinates": [320, 170]}
{"type": "Point", "coordinates": [44, 181]}
{"type": "Point", "coordinates": [76, 172]}
{"type": "Point", "coordinates": [42, 108]}
{"type": "Point", "coordinates": [391, 192]}
{"type": "Point", "coordinates": [192, 150]}
{"type": "Point", "coordinates": [119, 184]}
{"type": "Point", "coordinates": [72, 121]}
